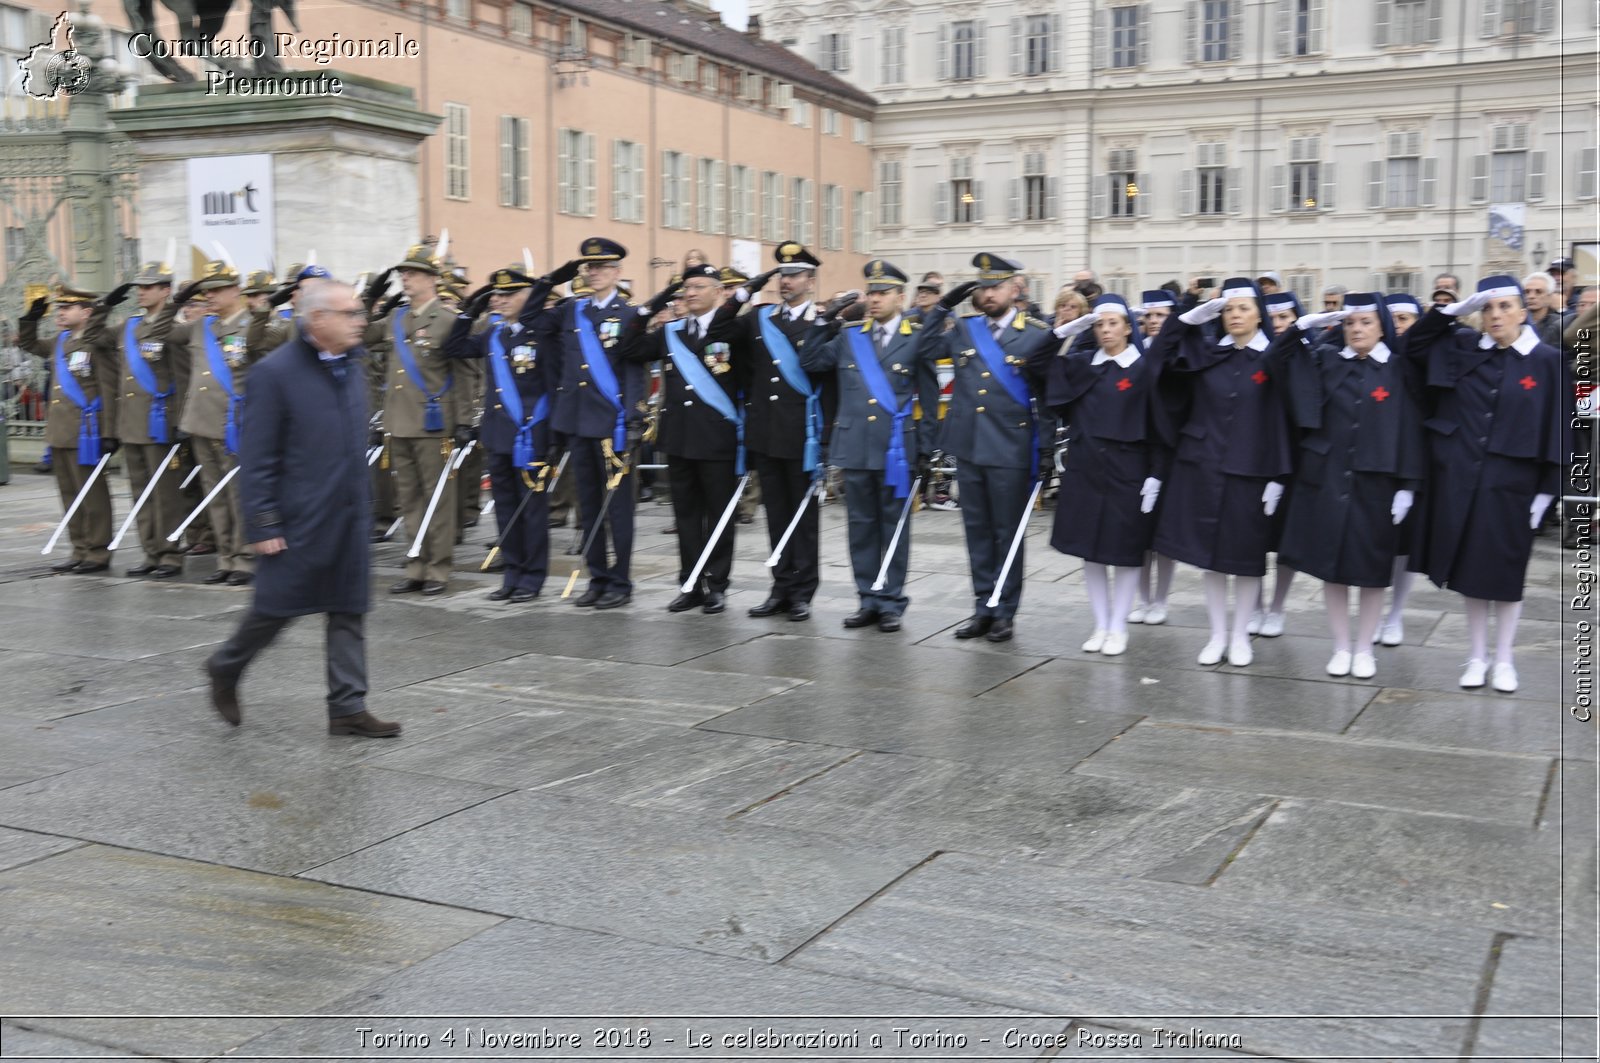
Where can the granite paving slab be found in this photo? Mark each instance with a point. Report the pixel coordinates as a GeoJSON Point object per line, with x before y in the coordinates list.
{"type": "Point", "coordinates": [233, 800]}
{"type": "Point", "coordinates": [1458, 871]}
{"type": "Point", "coordinates": [19, 847]}
{"type": "Point", "coordinates": [44, 1047]}
{"type": "Point", "coordinates": [1076, 820]}
{"type": "Point", "coordinates": [37, 749]}
{"type": "Point", "coordinates": [1540, 978]}
{"type": "Point", "coordinates": [85, 633]}
{"type": "Point", "coordinates": [1228, 698]}
{"type": "Point", "coordinates": [1533, 636]}
{"type": "Point", "coordinates": [890, 662]}
{"type": "Point", "coordinates": [638, 636]}
{"type": "Point", "coordinates": [103, 931]}
{"type": "Point", "coordinates": [1091, 946]}
{"type": "Point", "coordinates": [625, 761]}
{"type": "Point", "coordinates": [660, 875]}
{"type": "Point", "coordinates": [1462, 720]}
{"type": "Point", "coordinates": [930, 724]}
{"type": "Point", "coordinates": [47, 686]}
{"type": "Point", "coordinates": [1501, 788]}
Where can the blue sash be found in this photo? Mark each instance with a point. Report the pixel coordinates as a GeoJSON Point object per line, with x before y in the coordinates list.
{"type": "Point", "coordinates": [224, 376]}
{"type": "Point", "coordinates": [896, 467]}
{"type": "Point", "coordinates": [605, 378]}
{"type": "Point", "coordinates": [146, 376]}
{"type": "Point", "coordinates": [523, 451]}
{"type": "Point", "coordinates": [285, 313]}
{"type": "Point", "coordinates": [783, 353]}
{"type": "Point", "coordinates": [432, 412]}
{"type": "Point", "coordinates": [705, 385]}
{"type": "Point", "coordinates": [89, 422]}
{"type": "Point", "coordinates": [1010, 376]}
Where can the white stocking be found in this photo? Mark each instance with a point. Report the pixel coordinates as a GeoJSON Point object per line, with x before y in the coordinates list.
{"type": "Point", "coordinates": [1280, 591]}
{"type": "Point", "coordinates": [1217, 605]}
{"type": "Point", "coordinates": [1094, 580]}
{"type": "Point", "coordinates": [1505, 629]}
{"type": "Point", "coordinates": [1369, 613]}
{"type": "Point", "coordinates": [1246, 589]}
{"type": "Point", "coordinates": [1124, 584]}
{"type": "Point", "coordinates": [1165, 567]}
{"type": "Point", "coordinates": [1477, 629]}
{"type": "Point", "coordinates": [1336, 598]}
{"type": "Point", "coordinates": [1402, 588]}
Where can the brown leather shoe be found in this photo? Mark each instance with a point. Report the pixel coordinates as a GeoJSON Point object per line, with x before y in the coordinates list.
{"type": "Point", "coordinates": [224, 697]}
{"type": "Point", "coordinates": [363, 725]}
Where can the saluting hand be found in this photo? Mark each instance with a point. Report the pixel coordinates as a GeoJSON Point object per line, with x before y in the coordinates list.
{"type": "Point", "coordinates": [1309, 322]}
{"type": "Point", "coordinates": [755, 284]}
{"type": "Point", "coordinates": [564, 272]}
{"type": "Point", "coordinates": [36, 309]}
{"type": "Point", "coordinates": [958, 295]}
{"type": "Point", "coordinates": [1209, 310]}
{"type": "Point", "coordinates": [478, 302]}
{"type": "Point", "coordinates": [116, 295]}
{"type": "Point", "coordinates": [839, 304]}
{"type": "Point", "coordinates": [187, 292]}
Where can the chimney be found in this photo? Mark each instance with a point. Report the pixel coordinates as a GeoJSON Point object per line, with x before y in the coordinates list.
{"type": "Point", "coordinates": [753, 27]}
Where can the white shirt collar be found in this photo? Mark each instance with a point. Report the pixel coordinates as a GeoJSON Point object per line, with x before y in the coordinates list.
{"type": "Point", "coordinates": [893, 325]}
{"type": "Point", "coordinates": [1379, 354]}
{"type": "Point", "coordinates": [1005, 321]}
{"type": "Point", "coordinates": [1523, 344]}
{"type": "Point", "coordinates": [795, 313]}
{"type": "Point", "coordinates": [1258, 342]}
{"type": "Point", "coordinates": [705, 321]}
{"type": "Point", "coordinates": [603, 303]}
{"type": "Point", "coordinates": [1129, 355]}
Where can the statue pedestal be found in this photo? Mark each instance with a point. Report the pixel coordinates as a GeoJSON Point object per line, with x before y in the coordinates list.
{"type": "Point", "coordinates": [344, 168]}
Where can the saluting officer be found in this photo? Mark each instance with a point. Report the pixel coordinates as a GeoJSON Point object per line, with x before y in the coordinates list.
{"type": "Point", "coordinates": [428, 410]}
{"type": "Point", "coordinates": [81, 418]}
{"type": "Point", "coordinates": [882, 370]}
{"type": "Point", "coordinates": [220, 348]}
{"type": "Point", "coordinates": [783, 418]}
{"type": "Point", "coordinates": [600, 415]}
{"type": "Point", "coordinates": [989, 428]}
{"type": "Point", "coordinates": [152, 389]}
{"type": "Point", "coordinates": [515, 430]}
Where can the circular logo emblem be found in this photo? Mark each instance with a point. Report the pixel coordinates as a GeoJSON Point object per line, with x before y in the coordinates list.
{"type": "Point", "coordinates": [69, 72]}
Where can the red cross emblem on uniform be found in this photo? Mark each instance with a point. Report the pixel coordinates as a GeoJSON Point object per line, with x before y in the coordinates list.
{"type": "Point", "coordinates": [1528, 383]}
{"type": "Point", "coordinates": [1124, 384]}
{"type": "Point", "coordinates": [1259, 377]}
{"type": "Point", "coordinates": [1380, 393]}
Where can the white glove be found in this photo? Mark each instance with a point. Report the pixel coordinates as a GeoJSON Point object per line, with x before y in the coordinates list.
{"type": "Point", "coordinates": [1322, 320]}
{"type": "Point", "coordinates": [741, 295]}
{"type": "Point", "coordinates": [1077, 325]}
{"type": "Point", "coordinates": [1149, 492]}
{"type": "Point", "coordinates": [1401, 505]}
{"type": "Point", "coordinates": [1208, 311]}
{"type": "Point", "coordinates": [1536, 511]}
{"type": "Point", "coordinates": [1474, 302]}
{"type": "Point", "coordinates": [1271, 497]}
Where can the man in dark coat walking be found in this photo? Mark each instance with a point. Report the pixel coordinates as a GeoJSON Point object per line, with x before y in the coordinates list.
{"type": "Point", "coordinates": [307, 505]}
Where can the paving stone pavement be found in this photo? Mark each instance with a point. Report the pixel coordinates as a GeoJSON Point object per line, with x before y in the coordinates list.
{"type": "Point", "coordinates": [717, 832]}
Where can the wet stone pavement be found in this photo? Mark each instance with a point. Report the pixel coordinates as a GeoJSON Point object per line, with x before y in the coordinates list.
{"type": "Point", "coordinates": [638, 835]}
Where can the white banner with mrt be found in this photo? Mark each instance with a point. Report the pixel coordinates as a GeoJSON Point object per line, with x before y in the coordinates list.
{"type": "Point", "coordinates": [230, 203]}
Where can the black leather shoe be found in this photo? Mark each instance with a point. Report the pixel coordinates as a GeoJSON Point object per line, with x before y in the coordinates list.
{"type": "Point", "coordinates": [589, 597]}
{"type": "Point", "coordinates": [379, 536]}
{"type": "Point", "coordinates": [224, 697]}
{"type": "Point", "coordinates": [975, 627]}
{"type": "Point", "coordinates": [200, 550]}
{"type": "Point", "coordinates": [1001, 631]}
{"type": "Point", "coordinates": [770, 607]}
{"type": "Point", "coordinates": [523, 597]}
{"type": "Point", "coordinates": [432, 587]}
{"type": "Point", "coordinates": [85, 567]}
{"type": "Point", "coordinates": [800, 611]}
{"type": "Point", "coordinates": [68, 565]}
{"type": "Point", "coordinates": [715, 603]}
{"type": "Point", "coordinates": [500, 594]}
{"type": "Point", "coordinates": [222, 577]}
{"type": "Point", "coordinates": [405, 586]}
{"type": "Point", "coordinates": [888, 622]}
{"type": "Point", "coordinates": [239, 579]}
{"type": "Point", "coordinates": [684, 602]}
{"type": "Point", "coordinates": [363, 725]}
{"type": "Point", "coordinates": [613, 599]}
{"type": "Point", "coordinates": [861, 618]}
{"type": "Point", "coordinates": [145, 569]}
{"type": "Point", "coordinates": [166, 571]}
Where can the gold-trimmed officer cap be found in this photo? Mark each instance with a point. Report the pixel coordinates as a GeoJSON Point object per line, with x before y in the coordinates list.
{"type": "Point", "coordinates": [731, 278]}
{"type": "Point", "coordinates": [883, 276]}
{"type": "Point", "coordinates": [67, 295]}
{"type": "Point", "coordinates": [218, 274]}
{"type": "Point", "coordinates": [260, 282]}
{"type": "Point", "coordinates": [705, 269]}
{"type": "Point", "coordinates": [599, 249]}
{"type": "Point", "coordinates": [420, 258]}
{"type": "Point", "coordinates": [294, 271]}
{"type": "Point", "coordinates": [993, 268]}
{"type": "Point", "coordinates": [794, 258]}
{"type": "Point", "coordinates": [153, 273]}
{"type": "Point", "coordinates": [510, 279]}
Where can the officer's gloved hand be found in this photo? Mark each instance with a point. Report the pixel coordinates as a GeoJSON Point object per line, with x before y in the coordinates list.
{"type": "Point", "coordinates": [1401, 505]}
{"type": "Point", "coordinates": [564, 272]}
{"type": "Point", "coordinates": [662, 299]}
{"type": "Point", "coordinates": [36, 309]}
{"type": "Point", "coordinates": [1309, 322]}
{"type": "Point", "coordinates": [110, 444]}
{"type": "Point", "coordinates": [463, 435]}
{"type": "Point", "coordinates": [1077, 326]}
{"type": "Point", "coordinates": [840, 304]}
{"type": "Point", "coordinates": [958, 295]}
{"type": "Point", "coordinates": [1472, 303]}
{"type": "Point", "coordinates": [282, 295]}
{"type": "Point", "coordinates": [478, 303]}
{"type": "Point", "coordinates": [1206, 311]}
{"type": "Point", "coordinates": [634, 437]}
{"type": "Point", "coordinates": [1148, 493]}
{"type": "Point", "coordinates": [116, 295]}
{"type": "Point", "coordinates": [375, 437]}
{"type": "Point", "coordinates": [187, 292]}
{"type": "Point", "coordinates": [1271, 497]}
{"type": "Point", "coordinates": [748, 290]}
{"type": "Point", "coordinates": [375, 290]}
{"type": "Point", "coordinates": [924, 468]}
{"type": "Point", "coordinates": [388, 307]}
{"type": "Point", "coordinates": [180, 436]}
{"type": "Point", "coordinates": [1536, 511]}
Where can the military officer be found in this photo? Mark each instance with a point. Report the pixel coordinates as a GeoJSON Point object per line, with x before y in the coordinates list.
{"type": "Point", "coordinates": [515, 429]}
{"type": "Point", "coordinates": [151, 391]}
{"type": "Point", "coordinates": [783, 418]}
{"type": "Point", "coordinates": [80, 423]}
{"type": "Point", "coordinates": [990, 429]}
{"type": "Point", "coordinates": [428, 413]}
{"type": "Point", "coordinates": [599, 412]}
{"type": "Point", "coordinates": [882, 369]}
{"type": "Point", "coordinates": [259, 287]}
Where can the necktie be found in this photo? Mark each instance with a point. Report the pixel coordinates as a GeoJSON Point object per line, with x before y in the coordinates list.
{"type": "Point", "coordinates": [883, 337]}
{"type": "Point", "coordinates": [996, 330]}
{"type": "Point", "coordinates": [694, 329]}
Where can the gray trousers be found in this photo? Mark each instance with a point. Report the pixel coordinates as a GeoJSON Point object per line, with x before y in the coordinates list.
{"type": "Point", "coordinates": [873, 513]}
{"type": "Point", "coordinates": [346, 649]}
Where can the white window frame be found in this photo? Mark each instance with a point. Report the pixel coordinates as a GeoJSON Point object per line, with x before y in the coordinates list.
{"type": "Point", "coordinates": [773, 229]}
{"type": "Point", "coordinates": [627, 181]}
{"type": "Point", "coordinates": [457, 151]}
{"type": "Point", "coordinates": [515, 179]}
{"type": "Point", "coordinates": [891, 193]}
{"type": "Point", "coordinates": [677, 189]}
{"type": "Point", "coordinates": [892, 69]}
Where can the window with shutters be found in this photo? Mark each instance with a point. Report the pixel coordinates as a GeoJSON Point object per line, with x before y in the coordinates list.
{"type": "Point", "coordinates": [1518, 18]}
{"type": "Point", "coordinates": [458, 9]}
{"type": "Point", "coordinates": [1305, 173]}
{"type": "Point", "coordinates": [575, 173]}
{"type": "Point", "coordinates": [889, 193]}
{"type": "Point", "coordinates": [711, 197]}
{"type": "Point", "coordinates": [710, 78]}
{"type": "Point", "coordinates": [1211, 179]}
{"type": "Point", "coordinates": [514, 162]}
{"type": "Point", "coordinates": [1125, 25]}
{"type": "Point", "coordinates": [964, 208]}
{"type": "Point", "coordinates": [1122, 184]}
{"type": "Point", "coordinates": [1402, 183]}
{"type": "Point", "coordinates": [1304, 286]}
{"type": "Point", "coordinates": [1305, 26]}
{"type": "Point", "coordinates": [1413, 22]}
{"type": "Point", "coordinates": [457, 145]}
{"type": "Point", "coordinates": [1035, 191]}
{"type": "Point", "coordinates": [860, 221]}
{"type": "Point", "coordinates": [965, 51]}
{"type": "Point", "coordinates": [676, 193]}
{"type": "Point", "coordinates": [860, 130]}
{"type": "Point", "coordinates": [17, 39]}
{"type": "Point", "coordinates": [772, 227]}
{"type": "Point", "coordinates": [830, 122]}
{"type": "Point", "coordinates": [627, 181]}
{"type": "Point", "coordinates": [1035, 45]}
{"type": "Point", "coordinates": [575, 38]}
{"type": "Point", "coordinates": [892, 71]}
{"type": "Point", "coordinates": [1408, 281]}
{"type": "Point", "coordinates": [800, 210]}
{"type": "Point", "coordinates": [833, 53]}
{"type": "Point", "coordinates": [1588, 162]}
{"type": "Point", "coordinates": [833, 217]}
{"type": "Point", "coordinates": [1515, 174]}
{"type": "Point", "coordinates": [519, 20]}
{"type": "Point", "coordinates": [741, 202]}
{"type": "Point", "coordinates": [636, 51]}
{"type": "Point", "coordinates": [1216, 31]}
{"type": "Point", "coordinates": [800, 113]}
